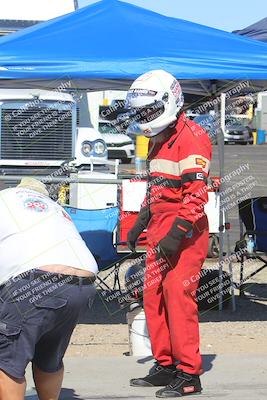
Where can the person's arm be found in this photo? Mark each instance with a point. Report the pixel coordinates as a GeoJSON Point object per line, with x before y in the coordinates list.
{"type": "Point", "coordinates": [195, 197]}
{"type": "Point", "coordinates": [140, 224]}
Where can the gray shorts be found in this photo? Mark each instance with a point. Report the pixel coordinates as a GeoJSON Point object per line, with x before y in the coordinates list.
{"type": "Point", "coordinates": [38, 313]}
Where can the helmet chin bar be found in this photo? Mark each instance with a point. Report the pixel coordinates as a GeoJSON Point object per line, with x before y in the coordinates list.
{"type": "Point", "coordinates": [164, 132]}
{"type": "Point", "coordinates": [147, 131]}
{"type": "Point", "coordinates": [157, 129]}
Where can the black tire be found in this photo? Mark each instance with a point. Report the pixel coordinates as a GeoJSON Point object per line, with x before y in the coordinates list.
{"type": "Point", "coordinates": [244, 143]}
{"type": "Point", "coordinates": [213, 249]}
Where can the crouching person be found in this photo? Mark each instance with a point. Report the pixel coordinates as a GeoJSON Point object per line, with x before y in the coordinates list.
{"type": "Point", "coordinates": [46, 280]}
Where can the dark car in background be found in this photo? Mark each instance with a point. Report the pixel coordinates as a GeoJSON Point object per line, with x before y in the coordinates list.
{"type": "Point", "coordinates": [237, 130]}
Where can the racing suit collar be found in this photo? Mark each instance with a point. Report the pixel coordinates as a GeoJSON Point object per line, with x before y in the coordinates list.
{"type": "Point", "coordinates": [180, 122]}
{"type": "Point", "coordinates": [170, 135]}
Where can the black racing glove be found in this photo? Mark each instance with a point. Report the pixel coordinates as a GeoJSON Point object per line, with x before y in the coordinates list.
{"type": "Point", "coordinates": [140, 224]}
{"type": "Point", "coordinates": [170, 244]}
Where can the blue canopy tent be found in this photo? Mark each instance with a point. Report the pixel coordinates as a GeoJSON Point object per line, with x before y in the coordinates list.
{"type": "Point", "coordinates": [257, 31]}
{"type": "Point", "coordinates": [108, 44]}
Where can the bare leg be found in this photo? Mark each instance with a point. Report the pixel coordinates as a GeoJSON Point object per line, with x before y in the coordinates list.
{"type": "Point", "coordinates": [11, 388]}
{"type": "Point", "coordinates": [48, 385]}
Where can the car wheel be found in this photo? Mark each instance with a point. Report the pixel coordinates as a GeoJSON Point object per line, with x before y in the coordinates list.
{"type": "Point", "coordinates": [244, 143]}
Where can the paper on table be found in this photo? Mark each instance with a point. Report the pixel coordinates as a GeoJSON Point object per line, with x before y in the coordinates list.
{"type": "Point", "coordinates": [212, 209]}
{"type": "Point", "coordinates": [133, 195]}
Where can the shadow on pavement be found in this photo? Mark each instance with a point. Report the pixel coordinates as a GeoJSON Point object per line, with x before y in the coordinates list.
{"type": "Point", "coordinates": [145, 360]}
{"type": "Point", "coordinates": [207, 361]}
{"type": "Point", "coordinates": [66, 394]}
{"type": "Point", "coordinates": [250, 308]}
{"type": "Point", "coordinates": [106, 397]}
{"type": "Point", "coordinates": [69, 394]}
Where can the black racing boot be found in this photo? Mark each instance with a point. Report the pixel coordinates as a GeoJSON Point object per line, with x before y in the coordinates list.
{"type": "Point", "coordinates": [158, 376]}
{"type": "Point", "coordinates": [182, 384]}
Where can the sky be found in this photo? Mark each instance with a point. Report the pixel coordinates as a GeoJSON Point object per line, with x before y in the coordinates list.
{"type": "Point", "coordinates": [228, 15]}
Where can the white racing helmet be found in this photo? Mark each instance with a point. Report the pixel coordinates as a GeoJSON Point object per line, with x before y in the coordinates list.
{"type": "Point", "coordinates": [155, 99]}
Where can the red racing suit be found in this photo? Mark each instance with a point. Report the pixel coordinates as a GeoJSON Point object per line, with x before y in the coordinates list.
{"type": "Point", "coordinates": [178, 171]}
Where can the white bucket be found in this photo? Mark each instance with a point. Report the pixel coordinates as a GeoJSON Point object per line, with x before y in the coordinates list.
{"type": "Point", "coordinates": [139, 341]}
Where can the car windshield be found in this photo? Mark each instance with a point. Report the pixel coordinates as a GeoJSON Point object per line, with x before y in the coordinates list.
{"type": "Point", "coordinates": [206, 121]}
{"type": "Point", "coordinates": [214, 122]}
{"type": "Point", "coordinates": [233, 122]}
{"type": "Point", "coordinates": [107, 127]}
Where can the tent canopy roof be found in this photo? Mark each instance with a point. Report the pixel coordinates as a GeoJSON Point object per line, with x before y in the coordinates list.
{"type": "Point", "coordinates": [113, 41]}
{"type": "Point", "coordinates": [256, 31]}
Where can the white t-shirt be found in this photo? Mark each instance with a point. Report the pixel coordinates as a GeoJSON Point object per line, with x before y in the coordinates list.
{"type": "Point", "coordinates": [36, 231]}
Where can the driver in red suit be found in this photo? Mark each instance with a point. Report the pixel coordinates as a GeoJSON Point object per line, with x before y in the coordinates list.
{"type": "Point", "coordinates": [177, 230]}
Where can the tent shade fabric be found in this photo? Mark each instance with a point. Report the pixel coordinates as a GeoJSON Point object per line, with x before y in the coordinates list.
{"type": "Point", "coordinates": [257, 31]}
{"type": "Point", "coordinates": [117, 41]}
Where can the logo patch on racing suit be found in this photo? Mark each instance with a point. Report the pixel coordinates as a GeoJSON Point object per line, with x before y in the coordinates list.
{"type": "Point", "coordinates": [200, 176]}
{"type": "Point", "coordinates": [201, 162]}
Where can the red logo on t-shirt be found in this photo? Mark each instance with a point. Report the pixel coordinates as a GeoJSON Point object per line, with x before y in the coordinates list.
{"type": "Point", "coordinates": [35, 204]}
{"type": "Point", "coordinates": [66, 215]}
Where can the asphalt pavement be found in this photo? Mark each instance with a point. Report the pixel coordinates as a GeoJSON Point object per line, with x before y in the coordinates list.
{"type": "Point", "coordinates": [229, 377]}
{"type": "Point", "coordinates": [246, 177]}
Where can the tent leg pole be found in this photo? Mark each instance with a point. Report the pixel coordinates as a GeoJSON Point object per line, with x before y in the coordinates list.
{"type": "Point", "coordinates": [230, 268]}
{"type": "Point", "coordinates": [222, 216]}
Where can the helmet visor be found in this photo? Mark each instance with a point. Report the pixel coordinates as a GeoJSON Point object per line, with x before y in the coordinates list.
{"type": "Point", "coordinates": [148, 113]}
